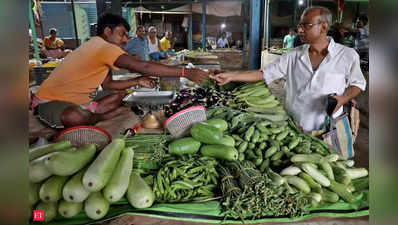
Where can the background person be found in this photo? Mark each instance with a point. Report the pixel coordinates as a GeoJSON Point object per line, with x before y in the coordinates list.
{"type": "Point", "coordinates": [156, 52]}
{"type": "Point", "coordinates": [223, 41]}
{"type": "Point", "coordinates": [138, 46]}
{"type": "Point", "coordinates": [288, 40]}
{"type": "Point", "coordinates": [167, 42]}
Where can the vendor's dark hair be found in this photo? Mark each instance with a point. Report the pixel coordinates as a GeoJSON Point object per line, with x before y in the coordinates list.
{"type": "Point", "coordinates": [111, 21]}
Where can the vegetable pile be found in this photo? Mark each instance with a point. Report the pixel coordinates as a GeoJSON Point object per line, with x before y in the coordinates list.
{"type": "Point", "coordinates": [206, 97]}
{"type": "Point", "coordinates": [66, 180]}
{"type": "Point", "coordinates": [186, 180]}
{"type": "Point", "coordinates": [249, 155]}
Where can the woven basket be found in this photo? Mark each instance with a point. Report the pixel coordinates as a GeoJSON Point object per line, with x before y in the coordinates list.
{"type": "Point", "coordinates": [81, 135]}
{"type": "Point", "coordinates": [180, 123]}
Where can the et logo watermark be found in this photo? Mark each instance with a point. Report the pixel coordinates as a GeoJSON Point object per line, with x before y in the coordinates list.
{"type": "Point", "coordinates": [38, 215]}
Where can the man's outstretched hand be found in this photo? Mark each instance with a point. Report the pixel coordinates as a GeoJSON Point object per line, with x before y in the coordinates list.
{"type": "Point", "coordinates": [196, 75]}
{"type": "Point", "coordinates": [222, 78]}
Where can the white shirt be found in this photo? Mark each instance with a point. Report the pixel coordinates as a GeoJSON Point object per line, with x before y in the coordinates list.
{"type": "Point", "coordinates": [222, 43]}
{"type": "Point", "coordinates": [306, 90]}
{"type": "Point", "coordinates": [153, 47]}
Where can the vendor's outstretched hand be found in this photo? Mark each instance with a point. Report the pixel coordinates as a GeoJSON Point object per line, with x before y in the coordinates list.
{"type": "Point", "coordinates": [196, 75]}
{"type": "Point", "coordinates": [222, 78]}
{"type": "Point", "coordinates": [147, 82]}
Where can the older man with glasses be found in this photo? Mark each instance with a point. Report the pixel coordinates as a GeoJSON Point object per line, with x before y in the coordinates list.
{"type": "Point", "coordinates": [312, 71]}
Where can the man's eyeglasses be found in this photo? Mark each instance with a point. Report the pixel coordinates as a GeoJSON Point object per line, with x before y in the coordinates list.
{"type": "Point", "coordinates": [307, 26]}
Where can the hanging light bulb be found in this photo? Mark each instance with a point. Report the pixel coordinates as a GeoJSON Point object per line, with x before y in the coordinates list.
{"type": "Point", "coordinates": [301, 2]}
{"type": "Point", "coordinates": [223, 25]}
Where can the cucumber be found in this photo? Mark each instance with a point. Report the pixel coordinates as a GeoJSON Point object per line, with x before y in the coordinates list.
{"type": "Point", "coordinates": [315, 199]}
{"type": "Point", "coordinates": [361, 183]}
{"type": "Point", "coordinates": [310, 158]}
{"type": "Point", "coordinates": [119, 182]}
{"type": "Point", "coordinates": [96, 206]}
{"type": "Point", "coordinates": [69, 209]}
{"type": "Point", "coordinates": [355, 173]}
{"type": "Point", "coordinates": [220, 152]}
{"type": "Point", "coordinates": [298, 183]}
{"type": "Point", "coordinates": [277, 179]}
{"type": "Point", "coordinates": [294, 143]}
{"type": "Point", "coordinates": [341, 175]}
{"type": "Point", "coordinates": [50, 210]}
{"type": "Point", "coordinates": [237, 137]}
{"type": "Point", "coordinates": [51, 190]}
{"type": "Point", "coordinates": [241, 156]}
{"type": "Point", "coordinates": [277, 156]}
{"type": "Point", "coordinates": [270, 151]}
{"type": "Point", "coordinates": [315, 174]}
{"type": "Point", "coordinates": [282, 135]}
{"type": "Point", "coordinates": [277, 130]}
{"type": "Point", "coordinates": [249, 133]}
{"type": "Point", "coordinates": [311, 182]}
{"type": "Point", "coordinates": [228, 140]}
{"type": "Point", "coordinates": [255, 137]}
{"type": "Point", "coordinates": [68, 163]}
{"type": "Point", "coordinates": [139, 194]}
{"type": "Point", "coordinates": [34, 193]}
{"type": "Point", "coordinates": [100, 171]}
{"type": "Point", "coordinates": [329, 196]}
{"type": "Point", "coordinates": [38, 152]}
{"type": "Point", "coordinates": [74, 190]}
{"type": "Point", "coordinates": [290, 171]}
{"type": "Point", "coordinates": [243, 146]}
{"type": "Point", "coordinates": [342, 191]}
{"type": "Point", "coordinates": [37, 170]}
{"type": "Point", "coordinates": [218, 123]}
{"type": "Point", "coordinates": [184, 146]}
{"type": "Point", "coordinates": [328, 169]}
{"type": "Point", "coordinates": [206, 133]}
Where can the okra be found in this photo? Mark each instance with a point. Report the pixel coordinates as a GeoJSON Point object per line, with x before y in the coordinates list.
{"type": "Point", "coordinates": [251, 146]}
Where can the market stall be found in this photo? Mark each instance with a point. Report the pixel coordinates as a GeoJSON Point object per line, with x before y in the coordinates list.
{"type": "Point", "coordinates": [226, 155]}
{"type": "Point", "coordinates": [230, 58]}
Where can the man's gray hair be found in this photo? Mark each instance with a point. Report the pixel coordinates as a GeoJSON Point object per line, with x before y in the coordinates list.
{"type": "Point", "coordinates": [151, 28]}
{"type": "Point", "coordinates": [325, 14]}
